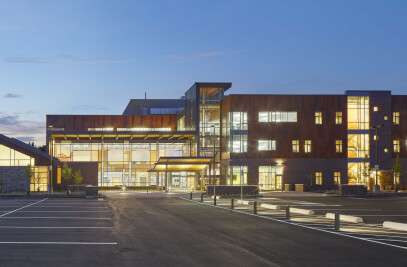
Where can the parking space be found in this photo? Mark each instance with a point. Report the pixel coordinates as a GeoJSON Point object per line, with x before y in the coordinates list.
{"type": "Point", "coordinates": [373, 211]}
{"type": "Point", "coordinates": [32, 228]}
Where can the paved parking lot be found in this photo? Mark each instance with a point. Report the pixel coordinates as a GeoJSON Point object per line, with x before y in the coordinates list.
{"type": "Point", "coordinates": [50, 232]}
{"type": "Point", "coordinates": [373, 211]}
{"type": "Point", "coordinates": [157, 229]}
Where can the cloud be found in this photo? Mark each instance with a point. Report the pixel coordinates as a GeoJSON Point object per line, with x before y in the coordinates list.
{"type": "Point", "coordinates": [11, 95]}
{"type": "Point", "coordinates": [74, 59]}
{"type": "Point", "coordinates": [26, 138]}
{"type": "Point", "coordinates": [199, 55]}
{"type": "Point", "coordinates": [9, 120]}
{"type": "Point", "coordinates": [25, 60]}
{"type": "Point", "coordinates": [24, 130]}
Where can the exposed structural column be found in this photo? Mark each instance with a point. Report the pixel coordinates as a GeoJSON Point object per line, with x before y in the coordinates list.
{"type": "Point", "coordinates": [376, 127]}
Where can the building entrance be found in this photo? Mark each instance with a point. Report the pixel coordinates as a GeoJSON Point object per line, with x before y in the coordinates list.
{"type": "Point", "coordinates": [182, 181]}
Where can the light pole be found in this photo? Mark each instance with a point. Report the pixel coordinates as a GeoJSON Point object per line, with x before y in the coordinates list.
{"type": "Point", "coordinates": [51, 151]}
{"type": "Point", "coordinates": [376, 127]}
{"type": "Point", "coordinates": [214, 158]}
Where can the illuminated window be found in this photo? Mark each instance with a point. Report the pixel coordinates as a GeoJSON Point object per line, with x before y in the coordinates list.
{"type": "Point", "coordinates": [375, 109]}
{"type": "Point", "coordinates": [59, 175]}
{"type": "Point", "coordinates": [236, 175]}
{"type": "Point", "coordinates": [337, 177]}
{"type": "Point", "coordinates": [358, 113]}
{"type": "Point", "coordinates": [237, 143]}
{"type": "Point", "coordinates": [318, 117]}
{"type": "Point", "coordinates": [338, 146]}
{"type": "Point", "coordinates": [278, 116]}
{"type": "Point", "coordinates": [338, 117]}
{"type": "Point", "coordinates": [396, 179]}
{"type": "Point", "coordinates": [386, 150]}
{"type": "Point", "coordinates": [270, 177]}
{"type": "Point", "coordinates": [358, 146]}
{"type": "Point", "coordinates": [386, 118]}
{"type": "Point", "coordinates": [318, 178]}
{"type": "Point", "coordinates": [266, 145]}
{"type": "Point", "coordinates": [396, 146]}
{"type": "Point", "coordinates": [296, 146]}
{"type": "Point", "coordinates": [396, 117]}
{"type": "Point", "coordinates": [307, 146]}
{"type": "Point", "coordinates": [237, 120]}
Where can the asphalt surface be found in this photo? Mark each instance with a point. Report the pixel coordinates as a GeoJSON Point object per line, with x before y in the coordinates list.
{"type": "Point", "coordinates": [133, 229]}
{"type": "Point", "coordinates": [371, 209]}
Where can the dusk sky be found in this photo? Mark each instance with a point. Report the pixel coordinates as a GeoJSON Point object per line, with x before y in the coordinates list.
{"type": "Point", "coordinates": [91, 57]}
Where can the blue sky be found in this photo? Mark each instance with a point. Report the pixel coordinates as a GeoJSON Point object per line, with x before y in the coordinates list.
{"type": "Point", "coordinates": [91, 57]}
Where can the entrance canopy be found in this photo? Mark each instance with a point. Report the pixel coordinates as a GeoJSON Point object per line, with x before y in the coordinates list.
{"type": "Point", "coordinates": [186, 164]}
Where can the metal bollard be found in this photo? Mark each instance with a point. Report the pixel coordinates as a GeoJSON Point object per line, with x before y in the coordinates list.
{"type": "Point", "coordinates": [214, 201]}
{"type": "Point", "coordinates": [147, 190]}
{"type": "Point", "coordinates": [190, 196]}
{"type": "Point", "coordinates": [202, 197]}
{"type": "Point", "coordinates": [337, 221]}
{"type": "Point", "coordinates": [255, 207]}
{"type": "Point", "coordinates": [287, 213]}
{"type": "Point", "coordinates": [232, 203]}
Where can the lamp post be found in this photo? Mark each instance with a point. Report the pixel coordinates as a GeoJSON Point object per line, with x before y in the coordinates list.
{"type": "Point", "coordinates": [376, 128]}
{"type": "Point", "coordinates": [51, 151]}
{"type": "Point", "coordinates": [214, 158]}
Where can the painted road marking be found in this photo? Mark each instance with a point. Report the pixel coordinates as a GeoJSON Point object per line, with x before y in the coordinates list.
{"type": "Point", "coordinates": [56, 227]}
{"type": "Point", "coordinates": [303, 226]}
{"type": "Point", "coordinates": [23, 207]}
{"type": "Point", "coordinates": [79, 218]}
{"type": "Point", "coordinates": [62, 243]}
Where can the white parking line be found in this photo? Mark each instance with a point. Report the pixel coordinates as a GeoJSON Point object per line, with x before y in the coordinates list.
{"type": "Point", "coordinates": [56, 227]}
{"type": "Point", "coordinates": [62, 243]}
{"type": "Point", "coordinates": [87, 211]}
{"type": "Point", "coordinates": [23, 207]}
{"type": "Point", "coordinates": [79, 218]}
{"type": "Point", "coordinates": [303, 226]}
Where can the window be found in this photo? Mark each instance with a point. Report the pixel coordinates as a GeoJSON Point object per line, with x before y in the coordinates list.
{"type": "Point", "coordinates": [307, 146]}
{"type": "Point", "coordinates": [396, 117]}
{"type": "Point", "coordinates": [266, 145]}
{"type": "Point", "coordinates": [278, 116]}
{"type": "Point", "coordinates": [338, 146]}
{"type": "Point", "coordinates": [386, 118]}
{"type": "Point", "coordinates": [337, 177]}
{"type": "Point", "coordinates": [270, 177]}
{"type": "Point", "coordinates": [358, 113]}
{"type": "Point", "coordinates": [396, 146]}
{"type": "Point", "coordinates": [234, 175]}
{"type": "Point", "coordinates": [237, 143]}
{"type": "Point", "coordinates": [237, 120]}
{"type": "Point", "coordinates": [338, 117]}
{"type": "Point", "coordinates": [318, 178]}
{"type": "Point", "coordinates": [396, 179]}
{"type": "Point", "coordinates": [296, 146]}
{"type": "Point", "coordinates": [318, 117]}
{"type": "Point", "coordinates": [375, 109]}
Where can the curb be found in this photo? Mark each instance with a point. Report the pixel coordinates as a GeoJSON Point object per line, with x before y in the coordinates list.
{"type": "Point", "coordinates": [395, 226]}
{"type": "Point", "coordinates": [270, 206]}
{"type": "Point", "coordinates": [345, 218]}
{"type": "Point", "coordinates": [302, 211]}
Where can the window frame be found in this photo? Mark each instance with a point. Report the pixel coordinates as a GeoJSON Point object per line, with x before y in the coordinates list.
{"type": "Point", "coordinates": [338, 146]}
{"type": "Point", "coordinates": [318, 117]}
{"type": "Point", "coordinates": [307, 146]}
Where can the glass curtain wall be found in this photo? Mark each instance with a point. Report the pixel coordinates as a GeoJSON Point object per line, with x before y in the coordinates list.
{"type": "Point", "coordinates": [270, 177]}
{"type": "Point", "coordinates": [10, 158]}
{"type": "Point", "coordinates": [358, 139]}
{"type": "Point", "coordinates": [236, 132]}
{"type": "Point", "coordinates": [121, 164]}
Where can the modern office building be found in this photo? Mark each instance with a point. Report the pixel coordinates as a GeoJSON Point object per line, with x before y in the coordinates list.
{"type": "Point", "coordinates": [208, 137]}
